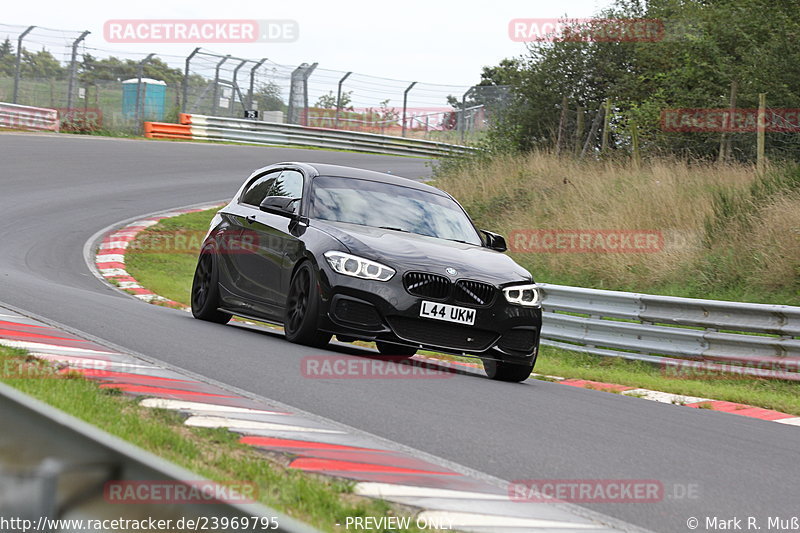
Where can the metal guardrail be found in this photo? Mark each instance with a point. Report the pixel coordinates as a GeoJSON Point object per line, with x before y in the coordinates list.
{"type": "Point", "coordinates": [754, 339]}
{"type": "Point", "coordinates": [54, 466]}
{"type": "Point", "coordinates": [253, 131]}
{"type": "Point", "coordinates": [28, 118]}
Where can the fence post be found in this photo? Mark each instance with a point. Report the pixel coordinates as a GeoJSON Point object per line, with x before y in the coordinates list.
{"type": "Point", "coordinates": [236, 85]}
{"type": "Point", "coordinates": [186, 80]}
{"type": "Point", "coordinates": [762, 133]}
{"type": "Point", "coordinates": [637, 157]}
{"type": "Point", "coordinates": [579, 129]}
{"type": "Point", "coordinates": [561, 124]}
{"type": "Point", "coordinates": [593, 130]}
{"type": "Point", "coordinates": [606, 121]}
{"type": "Point", "coordinates": [17, 62]}
{"type": "Point", "coordinates": [405, 105]}
{"type": "Point", "coordinates": [463, 114]}
{"type": "Point", "coordinates": [73, 67]}
{"type": "Point", "coordinates": [215, 92]}
{"type": "Point", "coordinates": [306, 75]}
{"type": "Point", "coordinates": [725, 140]}
{"type": "Point", "coordinates": [253, 81]}
{"type": "Point", "coordinates": [339, 100]}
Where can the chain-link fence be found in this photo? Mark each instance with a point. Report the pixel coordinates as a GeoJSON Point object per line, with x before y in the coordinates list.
{"type": "Point", "coordinates": [97, 88]}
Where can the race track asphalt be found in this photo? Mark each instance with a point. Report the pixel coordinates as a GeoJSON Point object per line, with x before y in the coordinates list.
{"type": "Point", "coordinates": [56, 191]}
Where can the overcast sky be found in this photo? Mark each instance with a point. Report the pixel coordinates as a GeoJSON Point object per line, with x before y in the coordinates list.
{"type": "Point", "coordinates": [433, 41]}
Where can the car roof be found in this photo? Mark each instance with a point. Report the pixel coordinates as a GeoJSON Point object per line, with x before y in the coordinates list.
{"type": "Point", "coordinates": [324, 169]}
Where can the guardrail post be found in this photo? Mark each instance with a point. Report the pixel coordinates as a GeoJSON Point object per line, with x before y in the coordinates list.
{"type": "Point", "coordinates": [17, 62]}
{"type": "Point", "coordinates": [253, 81]}
{"type": "Point", "coordinates": [73, 67]}
{"type": "Point", "coordinates": [186, 80]}
{"type": "Point", "coordinates": [339, 100]}
{"type": "Point", "coordinates": [215, 92]}
{"type": "Point", "coordinates": [405, 105]}
{"type": "Point", "coordinates": [139, 93]}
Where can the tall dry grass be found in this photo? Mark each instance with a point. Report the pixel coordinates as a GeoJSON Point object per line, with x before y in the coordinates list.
{"type": "Point", "coordinates": [677, 198]}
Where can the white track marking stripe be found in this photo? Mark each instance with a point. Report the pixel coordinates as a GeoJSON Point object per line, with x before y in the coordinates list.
{"type": "Point", "coordinates": [163, 403]}
{"type": "Point", "coordinates": [232, 423]}
{"type": "Point", "coordinates": [110, 258]}
{"type": "Point", "coordinates": [386, 490]}
{"type": "Point", "coordinates": [789, 421]}
{"type": "Point", "coordinates": [664, 397]}
{"type": "Point", "coordinates": [45, 347]}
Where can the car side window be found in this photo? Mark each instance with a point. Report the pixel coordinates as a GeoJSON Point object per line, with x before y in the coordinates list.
{"type": "Point", "coordinates": [260, 189]}
{"type": "Point", "coordinates": [289, 184]}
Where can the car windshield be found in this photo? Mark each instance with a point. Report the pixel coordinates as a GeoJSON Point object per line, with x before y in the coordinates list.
{"type": "Point", "coordinates": [384, 205]}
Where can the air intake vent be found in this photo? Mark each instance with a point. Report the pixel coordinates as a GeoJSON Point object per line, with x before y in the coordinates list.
{"type": "Point", "coordinates": [519, 340]}
{"type": "Point", "coordinates": [436, 333]}
{"type": "Point", "coordinates": [427, 285]}
{"type": "Point", "coordinates": [474, 293]}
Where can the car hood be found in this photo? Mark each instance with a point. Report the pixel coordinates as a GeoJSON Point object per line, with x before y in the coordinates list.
{"type": "Point", "coordinates": [409, 251]}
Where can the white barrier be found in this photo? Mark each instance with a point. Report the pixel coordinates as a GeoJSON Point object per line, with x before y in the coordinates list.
{"type": "Point", "coordinates": [20, 117]}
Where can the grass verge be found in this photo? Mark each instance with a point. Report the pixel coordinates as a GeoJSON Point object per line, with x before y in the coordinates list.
{"type": "Point", "coordinates": [213, 453]}
{"type": "Point", "coordinates": [170, 275]}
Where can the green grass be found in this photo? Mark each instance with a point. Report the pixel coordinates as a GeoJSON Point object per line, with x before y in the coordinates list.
{"type": "Point", "coordinates": [213, 453]}
{"type": "Point", "coordinates": [170, 275]}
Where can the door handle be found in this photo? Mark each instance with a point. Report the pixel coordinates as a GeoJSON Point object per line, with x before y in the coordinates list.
{"type": "Point", "coordinates": [250, 219]}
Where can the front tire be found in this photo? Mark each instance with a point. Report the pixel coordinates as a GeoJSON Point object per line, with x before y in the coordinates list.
{"type": "Point", "coordinates": [505, 371]}
{"type": "Point", "coordinates": [205, 289]}
{"type": "Point", "coordinates": [395, 350]}
{"type": "Point", "coordinates": [302, 309]}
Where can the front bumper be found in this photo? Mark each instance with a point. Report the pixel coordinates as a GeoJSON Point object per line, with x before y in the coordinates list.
{"type": "Point", "coordinates": [385, 311]}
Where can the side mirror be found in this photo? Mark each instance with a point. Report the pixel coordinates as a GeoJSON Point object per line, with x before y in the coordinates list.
{"type": "Point", "coordinates": [494, 241]}
{"type": "Point", "coordinates": [279, 205]}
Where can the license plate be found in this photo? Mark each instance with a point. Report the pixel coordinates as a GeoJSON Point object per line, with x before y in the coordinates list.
{"type": "Point", "coordinates": [448, 313]}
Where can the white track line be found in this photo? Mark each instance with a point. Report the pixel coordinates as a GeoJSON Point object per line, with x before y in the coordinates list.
{"type": "Point", "coordinates": [232, 423]}
{"type": "Point", "coordinates": [387, 491]}
{"type": "Point", "coordinates": [664, 397]}
{"type": "Point", "coordinates": [163, 403]}
{"type": "Point", "coordinates": [789, 421]}
{"type": "Point", "coordinates": [47, 348]}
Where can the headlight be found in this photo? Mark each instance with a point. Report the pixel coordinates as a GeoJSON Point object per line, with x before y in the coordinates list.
{"type": "Point", "coordinates": [527, 295]}
{"type": "Point", "coordinates": [358, 267]}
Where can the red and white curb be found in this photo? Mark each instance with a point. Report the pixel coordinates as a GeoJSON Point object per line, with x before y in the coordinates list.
{"type": "Point", "coordinates": [441, 494]}
{"type": "Point", "coordinates": [110, 256]}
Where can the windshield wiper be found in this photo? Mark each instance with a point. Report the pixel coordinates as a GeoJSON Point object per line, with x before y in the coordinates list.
{"type": "Point", "coordinates": [394, 229]}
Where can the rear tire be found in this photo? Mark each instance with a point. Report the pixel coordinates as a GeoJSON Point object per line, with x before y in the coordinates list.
{"type": "Point", "coordinates": [395, 350]}
{"type": "Point", "coordinates": [205, 289]}
{"type": "Point", "coordinates": [505, 371]}
{"type": "Point", "coordinates": [302, 309]}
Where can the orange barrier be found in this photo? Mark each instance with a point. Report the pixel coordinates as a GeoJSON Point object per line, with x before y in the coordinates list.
{"type": "Point", "coordinates": [184, 118]}
{"type": "Point", "coordinates": [164, 130]}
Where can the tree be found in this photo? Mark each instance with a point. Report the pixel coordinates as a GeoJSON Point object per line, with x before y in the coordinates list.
{"type": "Point", "coordinates": [7, 58]}
{"type": "Point", "coordinates": [93, 70]}
{"type": "Point", "coordinates": [268, 97]}
{"type": "Point", "coordinates": [705, 46]}
{"type": "Point", "coordinates": [328, 101]}
{"type": "Point", "coordinates": [41, 64]}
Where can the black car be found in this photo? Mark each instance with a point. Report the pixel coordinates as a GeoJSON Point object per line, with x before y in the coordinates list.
{"type": "Point", "coordinates": [326, 250]}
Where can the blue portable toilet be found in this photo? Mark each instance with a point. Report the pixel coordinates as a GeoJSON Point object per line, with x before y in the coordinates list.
{"type": "Point", "coordinates": [153, 93]}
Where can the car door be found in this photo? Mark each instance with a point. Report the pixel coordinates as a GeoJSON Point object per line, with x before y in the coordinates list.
{"type": "Point", "coordinates": [240, 240]}
{"type": "Point", "coordinates": [268, 237]}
